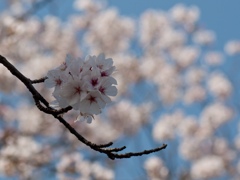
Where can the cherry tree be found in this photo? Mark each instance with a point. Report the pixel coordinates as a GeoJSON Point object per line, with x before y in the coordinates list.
{"type": "Point", "coordinates": [103, 80]}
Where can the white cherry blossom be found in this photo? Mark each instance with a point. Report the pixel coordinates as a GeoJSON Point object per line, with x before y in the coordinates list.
{"type": "Point", "coordinates": [83, 84]}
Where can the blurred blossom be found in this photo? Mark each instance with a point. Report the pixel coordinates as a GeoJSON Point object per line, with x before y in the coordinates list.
{"type": "Point", "coordinates": [221, 147]}
{"type": "Point", "coordinates": [74, 164]}
{"type": "Point", "coordinates": [237, 142]}
{"type": "Point", "coordinates": [232, 47]}
{"type": "Point", "coordinates": [101, 173]}
{"type": "Point", "coordinates": [17, 8]}
{"type": "Point", "coordinates": [155, 168]}
{"type": "Point", "coordinates": [188, 127]}
{"type": "Point", "coordinates": [164, 128]}
{"type": "Point", "coordinates": [204, 37]}
{"type": "Point", "coordinates": [186, 56]}
{"type": "Point", "coordinates": [187, 16]}
{"type": "Point", "coordinates": [219, 85]}
{"type": "Point", "coordinates": [209, 166]}
{"type": "Point", "coordinates": [20, 155]}
{"type": "Point", "coordinates": [194, 93]}
{"type": "Point", "coordinates": [52, 32]}
{"type": "Point", "coordinates": [168, 83]}
{"type": "Point", "coordinates": [213, 58]}
{"type": "Point", "coordinates": [195, 76]}
{"type": "Point", "coordinates": [165, 52]}
{"type": "Point", "coordinates": [29, 122]}
{"type": "Point", "coordinates": [7, 112]}
{"type": "Point", "coordinates": [127, 117]}
{"type": "Point", "coordinates": [99, 126]}
{"type": "Point", "coordinates": [109, 32]}
{"type": "Point", "coordinates": [238, 167]}
{"type": "Point", "coordinates": [88, 5]}
{"type": "Point", "coordinates": [167, 75]}
{"type": "Point", "coordinates": [171, 38]}
{"type": "Point", "coordinates": [152, 27]}
{"type": "Point", "coordinates": [21, 147]}
{"type": "Point", "coordinates": [6, 86]}
{"type": "Point", "coordinates": [216, 114]}
{"type": "Point", "coordinates": [192, 148]}
{"type": "Point", "coordinates": [127, 65]}
{"type": "Point", "coordinates": [148, 66]}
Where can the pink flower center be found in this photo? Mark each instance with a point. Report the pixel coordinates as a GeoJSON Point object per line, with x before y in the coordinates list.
{"type": "Point", "coordinates": [102, 90]}
{"type": "Point", "coordinates": [58, 82]}
{"type": "Point", "coordinates": [103, 74]}
{"type": "Point", "coordinates": [92, 99]}
{"type": "Point", "coordinates": [78, 90]}
{"type": "Point", "coordinates": [94, 82]}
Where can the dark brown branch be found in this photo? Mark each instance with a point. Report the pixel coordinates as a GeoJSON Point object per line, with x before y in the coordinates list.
{"type": "Point", "coordinates": [128, 155]}
{"type": "Point", "coordinates": [43, 105]}
{"type": "Point", "coordinates": [41, 80]}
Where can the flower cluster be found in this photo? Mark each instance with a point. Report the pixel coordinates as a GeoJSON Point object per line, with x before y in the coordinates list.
{"type": "Point", "coordinates": [83, 84]}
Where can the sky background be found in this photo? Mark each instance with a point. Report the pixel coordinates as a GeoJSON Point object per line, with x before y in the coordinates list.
{"type": "Point", "coordinates": [221, 16]}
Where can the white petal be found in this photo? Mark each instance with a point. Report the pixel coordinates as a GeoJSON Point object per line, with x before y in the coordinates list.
{"type": "Point", "coordinates": [49, 83]}
{"type": "Point", "coordinates": [94, 109]}
{"type": "Point", "coordinates": [101, 56]}
{"type": "Point", "coordinates": [111, 91]}
{"type": "Point", "coordinates": [106, 99]}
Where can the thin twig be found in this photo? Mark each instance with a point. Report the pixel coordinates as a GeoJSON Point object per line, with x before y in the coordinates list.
{"type": "Point", "coordinates": [41, 80]}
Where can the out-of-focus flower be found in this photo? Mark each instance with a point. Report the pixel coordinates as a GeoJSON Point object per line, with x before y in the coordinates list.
{"type": "Point", "coordinates": [73, 163]}
{"type": "Point", "coordinates": [188, 127]}
{"type": "Point", "coordinates": [215, 115]}
{"type": "Point", "coordinates": [156, 169]}
{"type": "Point", "coordinates": [221, 148]}
{"type": "Point", "coordinates": [204, 37]}
{"type": "Point", "coordinates": [128, 118]}
{"type": "Point", "coordinates": [9, 85]}
{"type": "Point", "coordinates": [237, 142]}
{"type": "Point", "coordinates": [164, 128]}
{"type": "Point", "coordinates": [210, 166]}
{"type": "Point", "coordinates": [194, 93]}
{"type": "Point", "coordinates": [100, 172]}
{"type": "Point", "coordinates": [127, 66]}
{"type": "Point", "coordinates": [152, 27]}
{"type": "Point", "coordinates": [219, 85]}
{"type": "Point", "coordinates": [195, 76]}
{"type": "Point", "coordinates": [213, 58]}
{"type": "Point", "coordinates": [187, 16]}
{"type": "Point", "coordinates": [88, 5]}
{"type": "Point", "coordinates": [109, 33]}
{"type": "Point", "coordinates": [168, 83]}
{"type": "Point", "coordinates": [148, 66]}
{"type": "Point", "coordinates": [171, 38]}
{"type": "Point", "coordinates": [192, 148]}
{"type": "Point", "coordinates": [185, 56]}
{"type": "Point", "coordinates": [19, 155]}
{"type": "Point", "coordinates": [232, 47]}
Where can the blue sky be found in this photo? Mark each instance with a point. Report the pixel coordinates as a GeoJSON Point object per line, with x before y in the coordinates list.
{"type": "Point", "coordinates": [221, 16]}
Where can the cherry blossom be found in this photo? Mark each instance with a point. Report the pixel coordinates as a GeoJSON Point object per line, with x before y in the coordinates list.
{"type": "Point", "coordinates": [83, 84]}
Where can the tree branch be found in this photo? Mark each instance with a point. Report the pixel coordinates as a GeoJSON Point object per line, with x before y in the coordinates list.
{"type": "Point", "coordinates": [39, 100]}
